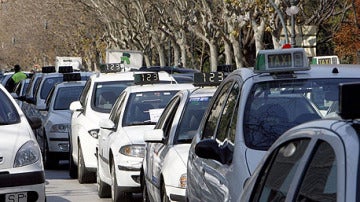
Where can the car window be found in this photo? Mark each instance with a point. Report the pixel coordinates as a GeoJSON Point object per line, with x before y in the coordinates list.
{"type": "Point", "coordinates": [85, 92]}
{"type": "Point", "coordinates": [48, 84]}
{"type": "Point", "coordinates": [320, 181]}
{"type": "Point", "coordinates": [227, 124]}
{"type": "Point", "coordinates": [216, 110]}
{"type": "Point", "coordinates": [190, 120]}
{"type": "Point", "coordinates": [170, 117]}
{"type": "Point", "coordinates": [278, 171]}
{"type": "Point", "coordinates": [65, 96]}
{"type": "Point", "coordinates": [106, 93]}
{"type": "Point", "coordinates": [8, 112]}
{"type": "Point", "coordinates": [142, 105]}
{"type": "Point", "coordinates": [173, 103]}
{"type": "Point", "coordinates": [117, 108]}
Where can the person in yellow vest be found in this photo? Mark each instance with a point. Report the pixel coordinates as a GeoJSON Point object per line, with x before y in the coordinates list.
{"type": "Point", "coordinates": [15, 78]}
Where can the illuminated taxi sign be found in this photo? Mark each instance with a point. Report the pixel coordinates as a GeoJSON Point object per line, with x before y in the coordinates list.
{"type": "Point", "coordinates": [112, 68]}
{"type": "Point", "coordinates": [65, 69]}
{"type": "Point", "coordinates": [72, 77]}
{"type": "Point", "coordinates": [281, 60]}
{"type": "Point", "coordinates": [208, 78]}
{"type": "Point", "coordinates": [146, 78]}
{"type": "Point", "coordinates": [48, 69]}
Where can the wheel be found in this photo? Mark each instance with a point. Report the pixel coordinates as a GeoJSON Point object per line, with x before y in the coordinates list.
{"type": "Point", "coordinates": [145, 194]}
{"type": "Point", "coordinates": [84, 176]}
{"type": "Point", "coordinates": [49, 160]}
{"type": "Point", "coordinates": [104, 190]}
{"type": "Point", "coordinates": [164, 197]}
{"type": "Point", "coordinates": [72, 166]}
{"type": "Point", "coordinates": [116, 194]}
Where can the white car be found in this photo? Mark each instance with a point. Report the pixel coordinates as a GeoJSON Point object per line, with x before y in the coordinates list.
{"type": "Point", "coordinates": [121, 141]}
{"type": "Point", "coordinates": [314, 161]}
{"type": "Point", "coordinates": [56, 125]}
{"type": "Point", "coordinates": [163, 174]}
{"type": "Point", "coordinates": [250, 110]}
{"type": "Point", "coordinates": [95, 103]}
{"type": "Point", "coordinates": [22, 175]}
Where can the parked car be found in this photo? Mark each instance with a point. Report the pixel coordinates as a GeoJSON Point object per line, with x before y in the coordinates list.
{"type": "Point", "coordinates": [121, 141]}
{"type": "Point", "coordinates": [163, 173]}
{"type": "Point", "coordinates": [250, 109]}
{"type": "Point", "coordinates": [314, 161]}
{"type": "Point", "coordinates": [21, 166]}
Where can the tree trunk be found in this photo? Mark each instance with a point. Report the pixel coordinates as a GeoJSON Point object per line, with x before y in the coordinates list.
{"type": "Point", "coordinates": [213, 55]}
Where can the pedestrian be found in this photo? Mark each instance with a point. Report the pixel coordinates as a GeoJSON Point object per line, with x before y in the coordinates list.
{"type": "Point", "coordinates": [15, 78]}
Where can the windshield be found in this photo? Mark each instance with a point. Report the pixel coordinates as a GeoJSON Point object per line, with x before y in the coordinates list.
{"type": "Point", "coordinates": [48, 84]}
{"type": "Point", "coordinates": [275, 106]}
{"type": "Point", "coordinates": [66, 95]}
{"type": "Point", "coordinates": [146, 107]}
{"type": "Point", "coordinates": [106, 93]}
{"type": "Point", "coordinates": [190, 120]}
{"type": "Point", "coordinates": [8, 112]}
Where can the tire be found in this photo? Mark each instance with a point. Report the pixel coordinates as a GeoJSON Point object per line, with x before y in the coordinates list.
{"type": "Point", "coordinates": [84, 176]}
{"type": "Point", "coordinates": [104, 190]}
{"type": "Point", "coordinates": [72, 167]}
{"type": "Point", "coordinates": [164, 197]}
{"type": "Point", "coordinates": [116, 194]}
{"type": "Point", "coordinates": [50, 161]}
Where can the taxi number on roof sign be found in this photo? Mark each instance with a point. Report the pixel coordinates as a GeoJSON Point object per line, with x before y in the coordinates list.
{"type": "Point", "coordinates": [146, 78]}
{"type": "Point", "coordinates": [281, 60]}
{"type": "Point", "coordinates": [208, 79]}
{"type": "Point", "coordinates": [112, 67]}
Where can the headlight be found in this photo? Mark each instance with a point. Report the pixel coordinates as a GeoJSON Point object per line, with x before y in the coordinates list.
{"type": "Point", "coordinates": [94, 133]}
{"type": "Point", "coordinates": [28, 154]}
{"type": "Point", "coordinates": [133, 150]}
{"type": "Point", "coordinates": [182, 181]}
{"type": "Point", "coordinates": [60, 128]}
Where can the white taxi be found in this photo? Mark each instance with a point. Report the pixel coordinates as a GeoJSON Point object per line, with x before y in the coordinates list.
{"type": "Point", "coordinates": [22, 175]}
{"type": "Point", "coordinates": [121, 141]}
{"type": "Point", "coordinates": [95, 103]}
{"type": "Point", "coordinates": [56, 125]}
{"type": "Point", "coordinates": [315, 161]}
{"type": "Point", "coordinates": [163, 174]}
{"type": "Point", "coordinates": [250, 110]}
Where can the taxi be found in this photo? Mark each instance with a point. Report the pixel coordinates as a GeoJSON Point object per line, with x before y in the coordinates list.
{"type": "Point", "coordinates": [20, 91]}
{"type": "Point", "coordinates": [121, 141]}
{"type": "Point", "coordinates": [22, 173]}
{"type": "Point", "coordinates": [56, 125]}
{"type": "Point", "coordinates": [96, 101]}
{"type": "Point", "coordinates": [314, 161]}
{"type": "Point", "coordinates": [163, 174]}
{"type": "Point", "coordinates": [250, 109]}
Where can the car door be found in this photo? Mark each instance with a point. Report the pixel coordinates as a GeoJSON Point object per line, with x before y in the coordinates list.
{"type": "Point", "coordinates": [107, 134]}
{"type": "Point", "coordinates": [155, 151]}
{"type": "Point", "coordinates": [220, 126]}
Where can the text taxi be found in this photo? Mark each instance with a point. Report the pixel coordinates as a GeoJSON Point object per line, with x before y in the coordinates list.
{"type": "Point", "coordinates": [121, 139]}
{"type": "Point", "coordinates": [315, 161]}
{"type": "Point", "coordinates": [249, 111]}
{"type": "Point", "coordinates": [167, 146]}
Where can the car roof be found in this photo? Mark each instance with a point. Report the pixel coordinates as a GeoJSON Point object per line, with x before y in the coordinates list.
{"type": "Point", "coordinates": [127, 76]}
{"type": "Point", "coordinates": [157, 87]}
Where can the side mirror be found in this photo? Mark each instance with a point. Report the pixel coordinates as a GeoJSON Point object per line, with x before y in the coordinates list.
{"type": "Point", "coordinates": [107, 124]}
{"type": "Point", "coordinates": [154, 136]}
{"type": "Point", "coordinates": [76, 106]}
{"type": "Point", "coordinates": [210, 149]}
{"type": "Point", "coordinates": [35, 122]}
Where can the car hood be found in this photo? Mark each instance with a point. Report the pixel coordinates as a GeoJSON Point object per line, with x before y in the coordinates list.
{"type": "Point", "coordinates": [182, 150]}
{"type": "Point", "coordinates": [135, 134]}
{"type": "Point", "coordinates": [60, 116]}
{"type": "Point", "coordinates": [12, 138]}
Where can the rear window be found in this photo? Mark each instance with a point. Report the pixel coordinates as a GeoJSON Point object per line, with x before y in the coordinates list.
{"type": "Point", "coordinates": [8, 112]}
{"type": "Point", "coordinates": [66, 95]}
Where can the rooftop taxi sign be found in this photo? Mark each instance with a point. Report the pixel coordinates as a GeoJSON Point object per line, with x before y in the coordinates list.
{"type": "Point", "coordinates": [281, 60]}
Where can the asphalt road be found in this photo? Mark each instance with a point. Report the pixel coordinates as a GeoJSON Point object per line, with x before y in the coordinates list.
{"type": "Point", "coordinates": [61, 188]}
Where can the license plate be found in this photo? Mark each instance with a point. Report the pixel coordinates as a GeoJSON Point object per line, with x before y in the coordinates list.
{"type": "Point", "coordinates": [16, 197]}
